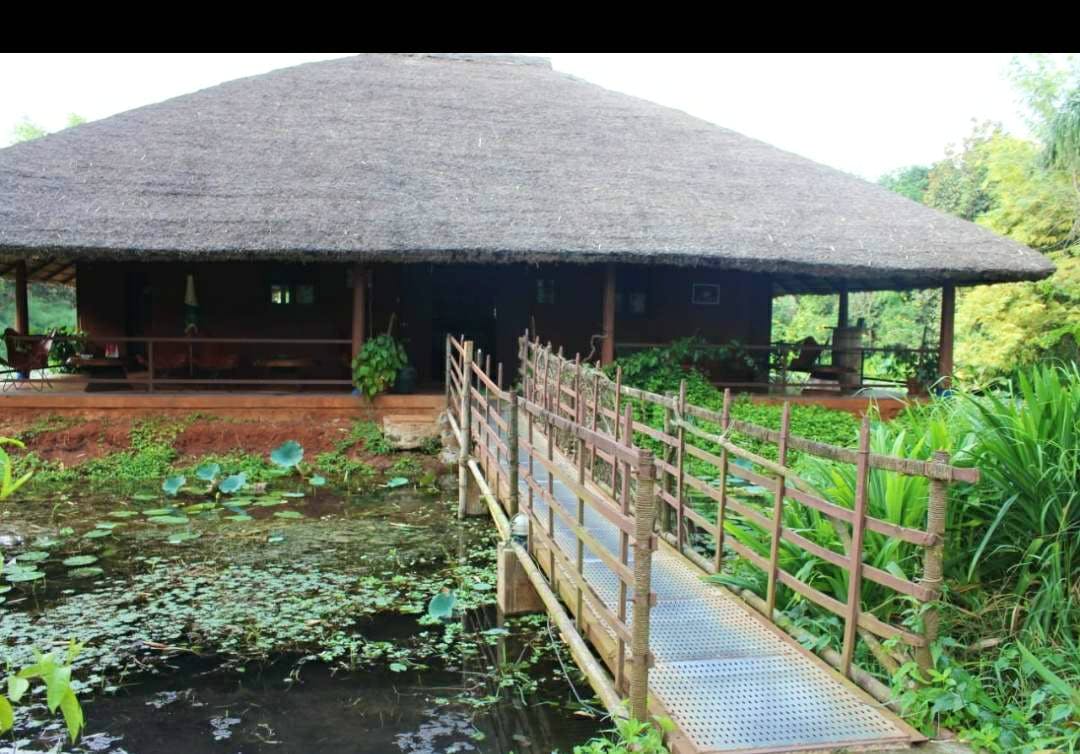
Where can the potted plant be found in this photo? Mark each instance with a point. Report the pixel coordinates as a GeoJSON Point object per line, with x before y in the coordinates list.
{"type": "Point", "coordinates": [377, 365]}
{"type": "Point", "coordinates": [921, 368]}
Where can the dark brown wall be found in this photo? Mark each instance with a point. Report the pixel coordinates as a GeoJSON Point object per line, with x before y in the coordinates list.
{"type": "Point", "coordinates": [493, 303]}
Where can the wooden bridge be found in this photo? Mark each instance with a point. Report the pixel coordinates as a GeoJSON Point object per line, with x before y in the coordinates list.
{"type": "Point", "coordinates": [632, 497]}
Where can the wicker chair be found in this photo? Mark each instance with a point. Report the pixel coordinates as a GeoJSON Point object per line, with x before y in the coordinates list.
{"type": "Point", "coordinates": [23, 357]}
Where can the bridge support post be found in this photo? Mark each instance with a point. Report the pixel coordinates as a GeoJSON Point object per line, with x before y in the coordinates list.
{"type": "Point", "coordinates": [644, 514]}
{"type": "Point", "coordinates": [515, 593]}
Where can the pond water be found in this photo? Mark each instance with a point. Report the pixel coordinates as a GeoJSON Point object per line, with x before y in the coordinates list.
{"type": "Point", "coordinates": [282, 620]}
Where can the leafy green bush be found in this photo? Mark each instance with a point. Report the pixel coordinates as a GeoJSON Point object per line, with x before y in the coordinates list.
{"type": "Point", "coordinates": [377, 364]}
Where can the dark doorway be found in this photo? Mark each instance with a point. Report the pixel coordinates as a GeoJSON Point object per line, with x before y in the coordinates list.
{"type": "Point", "coordinates": [463, 302]}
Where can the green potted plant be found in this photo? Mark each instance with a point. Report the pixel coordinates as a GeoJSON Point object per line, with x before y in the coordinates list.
{"type": "Point", "coordinates": [377, 365]}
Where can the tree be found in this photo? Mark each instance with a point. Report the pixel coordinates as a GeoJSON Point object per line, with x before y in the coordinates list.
{"type": "Point", "coordinates": [27, 130]}
{"type": "Point", "coordinates": [911, 181]}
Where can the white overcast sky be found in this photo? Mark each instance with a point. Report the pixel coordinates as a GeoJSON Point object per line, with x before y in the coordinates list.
{"type": "Point", "coordinates": [865, 114]}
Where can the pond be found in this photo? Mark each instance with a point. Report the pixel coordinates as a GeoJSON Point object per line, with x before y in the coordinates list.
{"type": "Point", "coordinates": [282, 620]}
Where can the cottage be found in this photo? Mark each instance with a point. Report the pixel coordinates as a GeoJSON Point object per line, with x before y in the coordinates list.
{"type": "Point", "coordinates": [258, 231]}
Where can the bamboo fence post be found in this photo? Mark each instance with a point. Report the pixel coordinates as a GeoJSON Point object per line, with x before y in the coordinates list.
{"type": "Point", "coordinates": [680, 460]}
{"type": "Point", "coordinates": [465, 444]}
{"type": "Point", "coordinates": [936, 514]}
{"type": "Point", "coordinates": [721, 508]}
{"type": "Point", "coordinates": [512, 459]}
{"type": "Point", "coordinates": [778, 512]}
{"type": "Point", "coordinates": [644, 513]}
{"type": "Point", "coordinates": [668, 479]}
{"type": "Point", "coordinates": [581, 522]}
{"type": "Point", "coordinates": [624, 558]}
{"type": "Point", "coordinates": [618, 398]}
{"type": "Point", "coordinates": [446, 370]}
{"type": "Point", "coordinates": [592, 423]}
{"type": "Point", "coordinates": [858, 531]}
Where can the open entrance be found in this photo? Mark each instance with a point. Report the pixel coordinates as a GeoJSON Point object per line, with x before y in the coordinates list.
{"type": "Point", "coordinates": [463, 302]}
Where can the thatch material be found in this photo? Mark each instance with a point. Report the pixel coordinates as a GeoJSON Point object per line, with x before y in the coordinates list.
{"type": "Point", "coordinates": [439, 158]}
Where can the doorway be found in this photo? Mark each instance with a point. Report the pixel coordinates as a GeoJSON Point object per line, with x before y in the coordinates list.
{"type": "Point", "coordinates": [463, 302]}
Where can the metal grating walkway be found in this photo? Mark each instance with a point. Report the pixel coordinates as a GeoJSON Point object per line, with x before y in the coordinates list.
{"type": "Point", "coordinates": [730, 681]}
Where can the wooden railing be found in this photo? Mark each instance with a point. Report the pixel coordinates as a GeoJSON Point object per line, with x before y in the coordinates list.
{"type": "Point", "coordinates": [767, 368]}
{"type": "Point", "coordinates": [691, 439]}
{"type": "Point", "coordinates": [513, 438]}
{"type": "Point", "coordinates": [164, 363]}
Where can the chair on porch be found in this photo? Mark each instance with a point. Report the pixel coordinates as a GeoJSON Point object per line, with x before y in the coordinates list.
{"type": "Point", "coordinates": [23, 357]}
{"type": "Point", "coordinates": [806, 361]}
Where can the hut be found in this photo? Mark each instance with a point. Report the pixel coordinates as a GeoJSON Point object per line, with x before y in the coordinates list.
{"type": "Point", "coordinates": [278, 221]}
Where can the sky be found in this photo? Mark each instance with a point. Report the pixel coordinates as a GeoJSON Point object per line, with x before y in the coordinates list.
{"type": "Point", "coordinates": [862, 113]}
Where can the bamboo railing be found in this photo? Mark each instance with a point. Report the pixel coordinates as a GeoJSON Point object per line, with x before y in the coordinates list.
{"type": "Point", "coordinates": [692, 438]}
{"type": "Point", "coordinates": [487, 420]}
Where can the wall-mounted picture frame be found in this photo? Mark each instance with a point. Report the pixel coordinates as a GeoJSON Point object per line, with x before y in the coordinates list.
{"type": "Point", "coordinates": [705, 294]}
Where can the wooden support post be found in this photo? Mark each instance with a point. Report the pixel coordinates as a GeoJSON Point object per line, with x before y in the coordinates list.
{"type": "Point", "coordinates": [466, 428]}
{"type": "Point", "coordinates": [592, 422]}
{"type": "Point", "coordinates": [615, 421]}
{"type": "Point", "coordinates": [150, 365]}
{"type": "Point", "coordinates": [778, 511]}
{"type": "Point", "coordinates": [680, 465]}
{"type": "Point", "coordinates": [945, 340]}
{"type": "Point", "coordinates": [515, 593]}
{"type": "Point", "coordinates": [607, 349]}
{"type": "Point", "coordinates": [855, 563]}
{"type": "Point", "coordinates": [721, 508]}
{"type": "Point", "coordinates": [22, 299]}
{"type": "Point", "coordinates": [512, 460]}
{"type": "Point", "coordinates": [936, 514]}
{"type": "Point", "coordinates": [644, 513]}
{"type": "Point", "coordinates": [842, 313]}
{"type": "Point", "coordinates": [359, 309]}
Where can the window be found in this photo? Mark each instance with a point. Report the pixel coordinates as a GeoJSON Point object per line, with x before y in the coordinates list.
{"type": "Point", "coordinates": [632, 293]}
{"type": "Point", "coordinates": [545, 291]}
{"type": "Point", "coordinates": [284, 294]}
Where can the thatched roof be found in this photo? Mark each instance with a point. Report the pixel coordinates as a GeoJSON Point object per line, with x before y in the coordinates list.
{"type": "Point", "coordinates": [440, 158]}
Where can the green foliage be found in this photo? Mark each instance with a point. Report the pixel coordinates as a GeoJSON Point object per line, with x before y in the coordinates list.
{"type": "Point", "coordinates": [52, 307]}
{"type": "Point", "coordinates": [377, 364]}
{"type": "Point", "coordinates": [630, 736]}
{"type": "Point", "coordinates": [1028, 449]}
{"type": "Point", "coordinates": [55, 674]}
{"type": "Point", "coordinates": [912, 181]}
{"type": "Point", "coordinates": [9, 484]}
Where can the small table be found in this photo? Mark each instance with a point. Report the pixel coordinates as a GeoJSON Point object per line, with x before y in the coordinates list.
{"type": "Point", "coordinates": [285, 366]}
{"type": "Point", "coordinates": [104, 368]}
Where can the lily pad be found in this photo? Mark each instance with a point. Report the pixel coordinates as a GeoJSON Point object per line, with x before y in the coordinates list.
{"type": "Point", "coordinates": [292, 494]}
{"type": "Point", "coordinates": [20, 575]}
{"type": "Point", "coordinates": [398, 481]}
{"type": "Point", "coordinates": [173, 520]}
{"type": "Point", "coordinates": [288, 454]}
{"type": "Point", "coordinates": [397, 667]}
{"type": "Point", "coordinates": [108, 525]}
{"type": "Point", "coordinates": [240, 517]}
{"type": "Point", "coordinates": [442, 605]}
{"type": "Point", "coordinates": [199, 507]}
{"type": "Point", "coordinates": [159, 511]}
{"type": "Point", "coordinates": [208, 471]}
{"type": "Point", "coordinates": [123, 514]}
{"type": "Point", "coordinates": [289, 514]}
{"type": "Point", "coordinates": [172, 484]}
{"type": "Point", "coordinates": [85, 573]}
{"type": "Point", "coordinates": [317, 481]}
{"type": "Point", "coordinates": [143, 497]}
{"type": "Point", "coordinates": [33, 556]}
{"type": "Point", "coordinates": [183, 536]}
{"type": "Point", "coordinates": [79, 560]}
{"type": "Point", "coordinates": [233, 483]}
{"type": "Point", "coordinates": [96, 534]}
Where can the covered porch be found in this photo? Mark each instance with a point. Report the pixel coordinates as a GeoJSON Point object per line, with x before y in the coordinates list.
{"type": "Point", "coordinates": [263, 326]}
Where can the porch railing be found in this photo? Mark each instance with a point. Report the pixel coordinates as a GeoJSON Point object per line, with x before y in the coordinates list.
{"type": "Point", "coordinates": [163, 363]}
{"type": "Point", "coordinates": [772, 368]}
